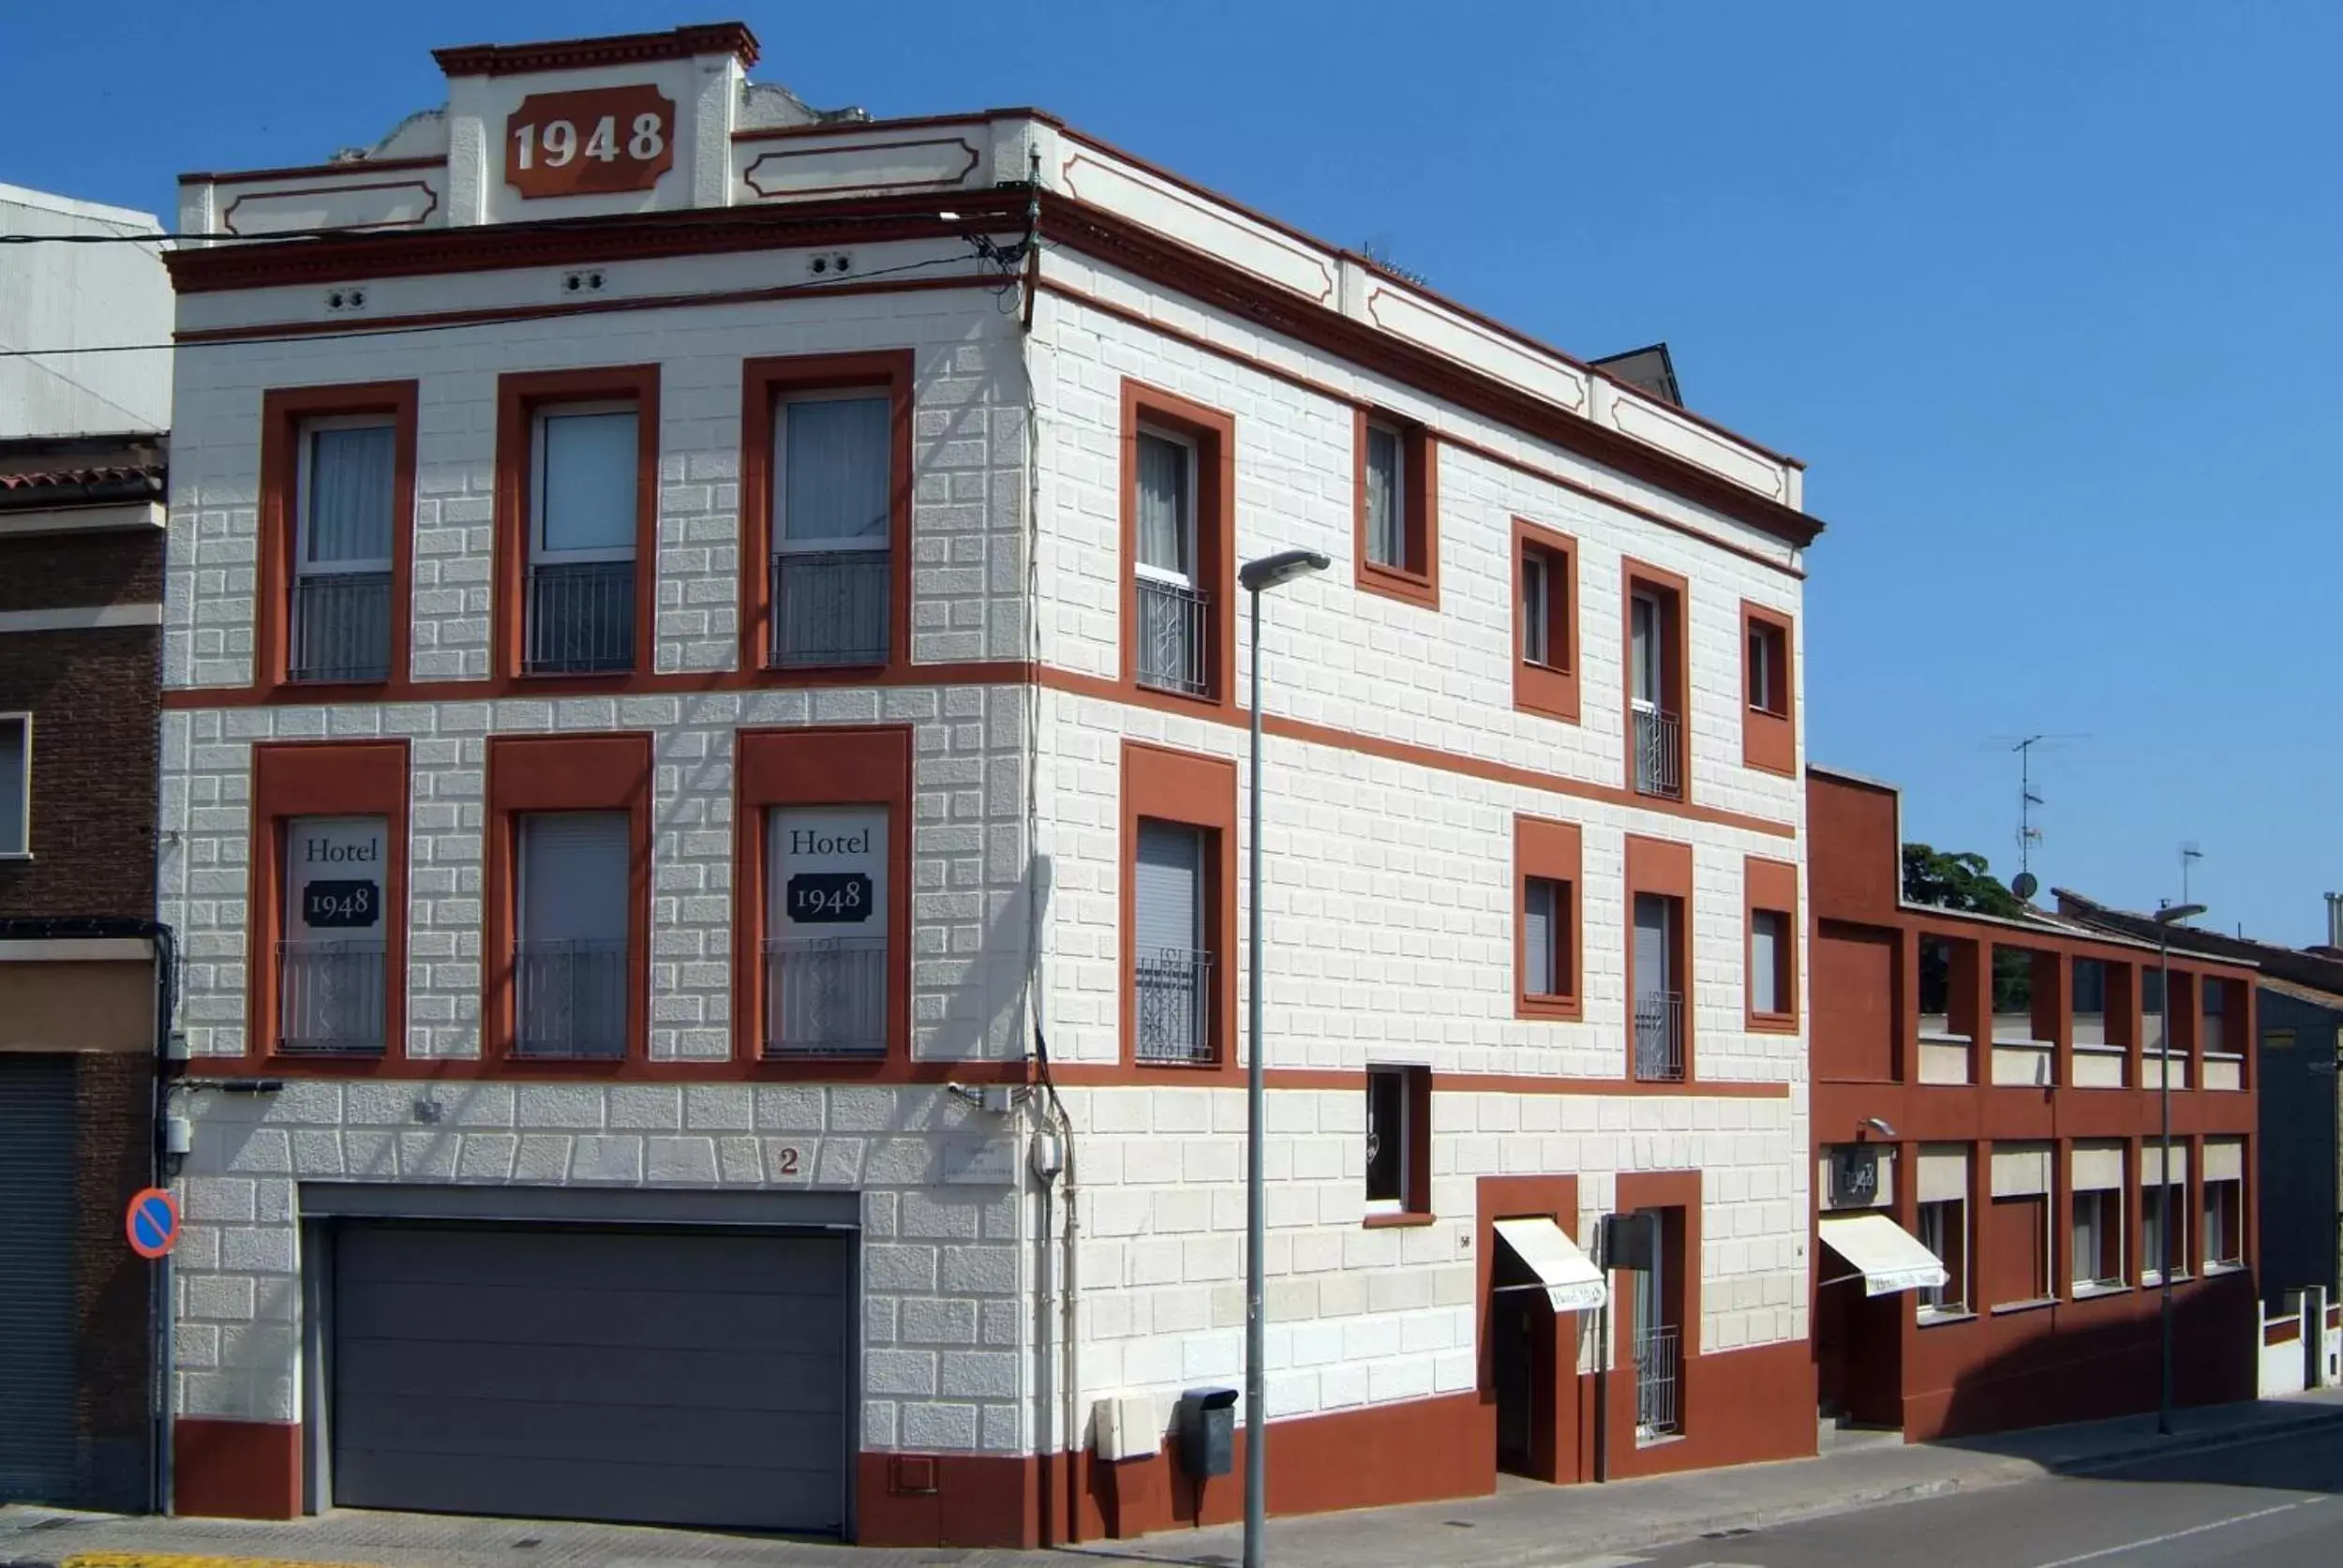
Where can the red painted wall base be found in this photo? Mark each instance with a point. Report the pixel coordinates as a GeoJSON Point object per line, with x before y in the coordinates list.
{"type": "Point", "coordinates": [236, 1470]}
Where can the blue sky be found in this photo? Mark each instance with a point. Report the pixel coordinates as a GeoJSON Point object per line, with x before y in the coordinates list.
{"type": "Point", "coordinates": [2042, 294]}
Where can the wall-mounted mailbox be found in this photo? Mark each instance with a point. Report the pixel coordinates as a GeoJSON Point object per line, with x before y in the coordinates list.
{"type": "Point", "coordinates": [1206, 1422]}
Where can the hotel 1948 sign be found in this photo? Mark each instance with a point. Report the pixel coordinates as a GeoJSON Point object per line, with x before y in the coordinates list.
{"type": "Point", "coordinates": [335, 866]}
{"type": "Point", "coordinates": [829, 872]}
{"type": "Point", "coordinates": [589, 143]}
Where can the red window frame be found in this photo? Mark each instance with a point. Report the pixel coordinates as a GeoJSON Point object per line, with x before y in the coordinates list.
{"type": "Point", "coordinates": [1417, 580]}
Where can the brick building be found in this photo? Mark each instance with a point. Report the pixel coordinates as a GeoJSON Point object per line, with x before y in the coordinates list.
{"type": "Point", "coordinates": [1991, 1088]}
{"type": "Point", "coordinates": [82, 464]}
{"type": "Point", "coordinates": [710, 757]}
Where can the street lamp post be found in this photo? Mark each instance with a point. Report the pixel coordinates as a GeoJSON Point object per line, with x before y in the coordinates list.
{"type": "Point", "coordinates": [2164, 917]}
{"type": "Point", "coordinates": [1257, 578]}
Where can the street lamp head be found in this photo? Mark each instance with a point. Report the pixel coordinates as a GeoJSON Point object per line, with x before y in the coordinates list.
{"type": "Point", "coordinates": [2172, 912]}
{"type": "Point", "coordinates": [1259, 576]}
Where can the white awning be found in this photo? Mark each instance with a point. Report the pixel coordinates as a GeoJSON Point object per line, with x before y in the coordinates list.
{"type": "Point", "coordinates": [1572, 1281]}
{"type": "Point", "coordinates": [1886, 1254]}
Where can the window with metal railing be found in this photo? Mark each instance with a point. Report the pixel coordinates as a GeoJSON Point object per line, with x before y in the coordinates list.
{"type": "Point", "coordinates": [1659, 1038]}
{"type": "Point", "coordinates": [1171, 977]}
{"type": "Point", "coordinates": [826, 998]}
{"type": "Point", "coordinates": [1173, 991]}
{"type": "Point", "coordinates": [1656, 1008]}
{"type": "Point", "coordinates": [1659, 754]}
{"type": "Point", "coordinates": [1173, 635]}
{"type": "Point", "coordinates": [570, 990]}
{"type": "Point", "coordinates": [832, 560]}
{"type": "Point", "coordinates": [1659, 1365]}
{"type": "Point", "coordinates": [580, 595]}
{"type": "Point", "coordinates": [342, 549]}
{"type": "Point", "coordinates": [330, 997]}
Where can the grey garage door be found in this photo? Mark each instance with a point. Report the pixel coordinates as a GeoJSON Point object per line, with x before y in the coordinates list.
{"type": "Point", "coordinates": [687, 1377]}
{"type": "Point", "coordinates": [37, 1350]}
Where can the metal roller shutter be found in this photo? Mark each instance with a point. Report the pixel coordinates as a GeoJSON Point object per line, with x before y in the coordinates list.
{"type": "Point", "coordinates": [37, 1323]}
{"type": "Point", "coordinates": [672, 1376]}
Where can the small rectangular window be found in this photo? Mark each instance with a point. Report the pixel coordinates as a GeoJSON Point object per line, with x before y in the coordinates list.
{"type": "Point", "coordinates": [1173, 977]}
{"type": "Point", "coordinates": [2163, 1230]}
{"type": "Point", "coordinates": [1537, 637]}
{"type": "Point", "coordinates": [16, 784]}
{"type": "Point", "coordinates": [569, 957]}
{"type": "Point", "coordinates": [2224, 1222]}
{"type": "Point", "coordinates": [2097, 1245]}
{"type": "Point", "coordinates": [584, 462]}
{"type": "Point", "coordinates": [1386, 498]}
{"type": "Point", "coordinates": [1545, 938]}
{"type": "Point", "coordinates": [1398, 1102]}
{"type": "Point", "coordinates": [826, 952]}
{"type": "Point", "coordinates": [833, 490]}
{"type": "Point", "coordinates": [342, 550]}
{"type": "Point", "coordinates": [332, 959]}
{"type": "Point", "coordinates": [1769, 669]}
{"type": "Point", "coordinates": [1944, 1230]}
{"type": "Point", "coordinates": [1769, 962]}
{"type": "Point", "coordinates": [2020, 1248]}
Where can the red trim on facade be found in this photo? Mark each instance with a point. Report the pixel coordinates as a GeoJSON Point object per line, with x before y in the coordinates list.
{"type": "Point", "coordinates": [323, 778]}
{"type": "Point", "coordinates": [1199, 792]}
{"type": "Point", "coordinates": [1416, 582]}
{"type": "Point", "coordinates": [764, 384]}
{"type": "Point", "coordinates": [309, 170]}
{"type": "Point", "coordinates": [520, 396]}
{"type": "Point", "coordinates": [819, 767]}
{"type": "Point", "coordinates": [1550, 688]}
{"type": "Point", "coordinates": [1550, 850]}
{"type": "Point", "coordinates": [618, 49]}
{"type": "Point", "coordinates": [284, 411]}
{"type": "Point", "coordinates": [563, 773]}
{"type": "Point", "coordinates": [1214, 434]}
{"type": "Point", "coordinates": [236, 1470]}
{"type": "Point", "coordinates": [1770, 734]}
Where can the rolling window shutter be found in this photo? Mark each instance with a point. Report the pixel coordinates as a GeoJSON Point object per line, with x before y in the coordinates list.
{"type": "Point", "coordinates": [573, 876]}
{"type": "Point", "coordinates": [1170, 889]}
{"type": "Point", "coordinates": [588, 481]}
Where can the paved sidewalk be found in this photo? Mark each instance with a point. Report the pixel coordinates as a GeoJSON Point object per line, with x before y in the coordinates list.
{"type": "Point", "coordinates": [1524, 1526]}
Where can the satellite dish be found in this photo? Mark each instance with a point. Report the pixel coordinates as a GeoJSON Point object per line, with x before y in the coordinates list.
{"type": "Point", "coordinates": [2024, 886]}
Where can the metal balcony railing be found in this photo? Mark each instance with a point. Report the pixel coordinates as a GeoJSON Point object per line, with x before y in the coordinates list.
{"type": "Point", "coordinates": [826, 998]}
{"type": "Point", "coordinates": [1659, 1354]}
{"type": "Point", "coordinates": [330, 998]}
{"type": "Point", "coordinates": [341, 627]}
{"type": "Point", "coordinates": [1174, 1006]}
{"type": "Point", "coordinates": [1172, 638]}
{"type": "Point", "coordinates": [581, 617]}
{"type": "Point", "coordinates": [568, 999]}
{"type": "Point", "coordinates": [830, 607]}
{"type": "Point", "coordinates": [1658, 753]}
{"type": "Point", "coordinates": [1660, 1036]}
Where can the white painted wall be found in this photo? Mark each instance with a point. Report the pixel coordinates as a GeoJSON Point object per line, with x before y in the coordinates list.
{"type": "Point", "coordinates": [82, 297]}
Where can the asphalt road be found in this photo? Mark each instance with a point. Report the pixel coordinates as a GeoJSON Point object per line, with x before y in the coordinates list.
{"type": "Point", "coordinates": [2272, 1504]}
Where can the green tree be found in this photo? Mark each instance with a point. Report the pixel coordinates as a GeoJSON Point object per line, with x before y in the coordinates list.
{"type": "Point", "coordinates": [1963, 880]}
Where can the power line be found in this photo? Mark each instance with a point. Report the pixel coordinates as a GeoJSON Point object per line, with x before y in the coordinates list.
{"type": "Point", "coordinates": [781, 290]}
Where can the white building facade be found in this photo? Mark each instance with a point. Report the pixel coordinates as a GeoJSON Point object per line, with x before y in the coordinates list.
{"type": "Point", "coordinates": [701, 797]}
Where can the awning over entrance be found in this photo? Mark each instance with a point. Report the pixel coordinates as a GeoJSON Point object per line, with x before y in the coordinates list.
{"type": "Point", "coordinates": [1883, 1251]}
{"type": "Point", "coordinates": [1572, 1281]}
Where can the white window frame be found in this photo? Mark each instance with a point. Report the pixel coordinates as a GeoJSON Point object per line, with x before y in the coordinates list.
{"type": "Point", "coordinates": [305, 469]}
{"type": "Point", "coordinates": [538, 550]}
{"type": "Point", "coordinates": [1956, 1285]}
{"type": "Point", "coordinates": [24, 823]}
{"type": "Point", "coordinates": [1186, 577]}
{"type": "Point", "coordinates": [782, 544]}
{"type": "Point", "coordinates": [1648, 660]}
{"type": "Point", "coordinates": [1398, 494]}
{"type": "Point", "coordinates": [1408, 1133]}
{"type": "Point", "coordinates": [1537, 608]}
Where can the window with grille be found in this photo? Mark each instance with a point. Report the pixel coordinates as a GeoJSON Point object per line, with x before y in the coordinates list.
{"type": "Point", "coordinates": [1174, 978]}
{"type": "Point", "coordinates": [342, 549]}
{"type": "Point", "coordinates": [570, 953]}
{"type": "Point", "coordinates": [583, 525]}
{"type": "Point", "coordinates": [833, 553]}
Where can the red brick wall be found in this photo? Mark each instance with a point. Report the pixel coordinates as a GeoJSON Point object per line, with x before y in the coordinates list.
{"type": "Point", "coordinates": [112, 1106]}
{"type": "Point", "coordinates": [93, 695]}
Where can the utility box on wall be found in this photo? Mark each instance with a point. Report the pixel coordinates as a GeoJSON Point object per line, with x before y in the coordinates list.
{"type": "Point", "coordinates": [1123, 1427]}
{"type": "Point", "coordinates": [1206, 1422]}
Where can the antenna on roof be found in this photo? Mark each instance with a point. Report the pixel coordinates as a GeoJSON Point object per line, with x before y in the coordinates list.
{"type": "Point", "coordinates": [2189, 853]}
{"type": "Point", "coordinates": [2028, 799]}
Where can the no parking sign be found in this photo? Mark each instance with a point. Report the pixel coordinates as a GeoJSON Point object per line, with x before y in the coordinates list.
{"type": "Point", "coordinates": [151, 1223]}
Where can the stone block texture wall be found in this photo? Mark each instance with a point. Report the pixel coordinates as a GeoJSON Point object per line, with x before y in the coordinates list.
{"type": "Point", "coordinates": [1388, 892]}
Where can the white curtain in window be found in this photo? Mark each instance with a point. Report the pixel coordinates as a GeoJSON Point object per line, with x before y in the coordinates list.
{"type": "Point", "coordinates": [15, 783]}
{"type": "Point", "coordinates": [1533, 610]}
{"type": "Point", "coordinates": [1385, 541]}
{"type": "Point", "coordinates": [573, 875]}
{"type": "Point", "coordinates": [1943, 1174]}
{"type": "Point", "coordinates": [1168, 902]}
{"type": "Point", "coordinates": [834, 470]}
{"type": "Point", "coordinates": [586, 482]}
{"type": "Point", "coordinates": [1163, 504]}
{"type": "Point", "coordinates": [2098, 1166]}
{"type": "Point", "coordinates": [349, 519]}
{"type": "Point", "coordinates": [1537, 937]}
{"type": "Point", "coordinates": [1765, 962]}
